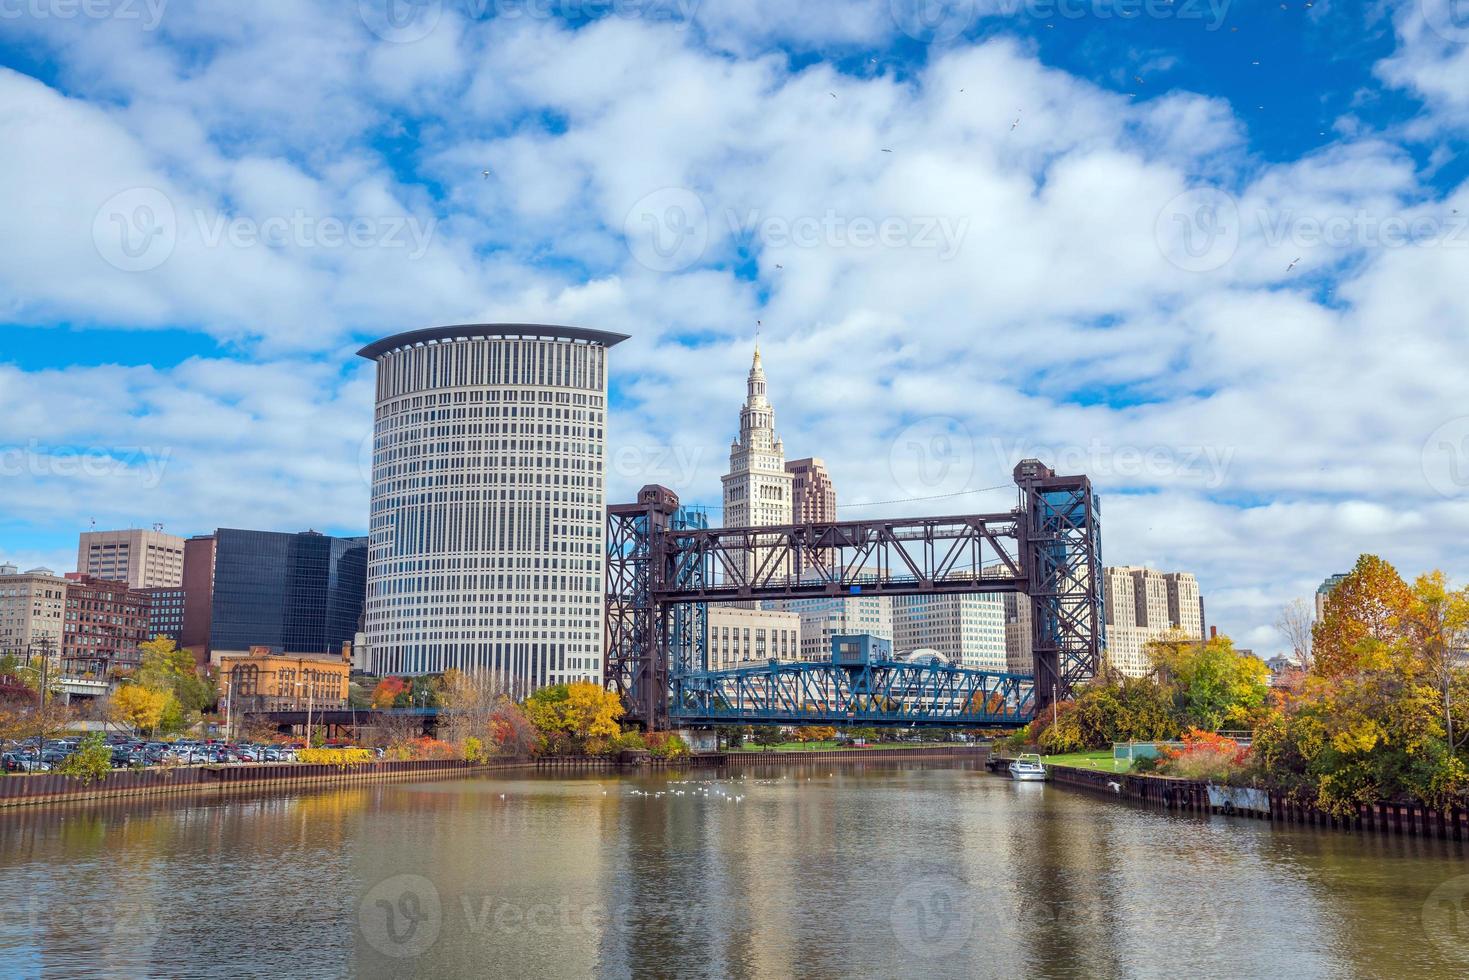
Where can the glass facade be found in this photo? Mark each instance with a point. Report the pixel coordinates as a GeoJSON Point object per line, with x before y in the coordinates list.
{"type": "Point", "coordinates": [300, 593]}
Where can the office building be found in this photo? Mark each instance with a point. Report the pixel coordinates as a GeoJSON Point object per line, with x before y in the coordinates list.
{"type": "Point", "coordinates": [740, 637]}
{"type": "Point", "coordinates": [969, 630]}
{"type": "Point", "coordinates": [105, 624]}
{"type": "Point", "coordinates": [823, 617]}
{"type": "Point", "coordinates": [299, 592]}
{"type": "Point", "coordinates": [813, 495]}
{"type": "Point", "coordinates": [1142, 605]}
{"type": "Point", "coordinates": [1323, 592]}
{"type": "Point", "coordinates": [487, 519]}
{"type": "Point", "coordinates": [1019, 643]}
{"type": "Point", "coordinates": [757, 488]}
{"type": "Point", "coordinates": [141, 559]}
{"type": "Point", "coordinates": [165, 613]}
{"type": "Point", "coordinates": [198, 596]}
{"type": "Point", "coordinates": [32, 610]}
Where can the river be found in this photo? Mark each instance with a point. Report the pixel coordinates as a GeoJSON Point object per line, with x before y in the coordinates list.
{"type": "Point", "coordinates": [809, 871]}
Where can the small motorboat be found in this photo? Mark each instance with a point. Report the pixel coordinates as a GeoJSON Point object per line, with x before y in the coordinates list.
{"type": "Point", "coordinates": [1028, 769]}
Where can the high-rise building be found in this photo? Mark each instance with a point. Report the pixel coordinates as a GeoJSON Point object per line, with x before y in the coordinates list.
{"type": "Point", "coordinates": [487, 520]}
{"type": "Point", "coordinates": [1143, 604]}
{"type": "Point", "coordinates": [32, 609]}
{"type": "Point", "coordinates": [968, 630]}
{"type": "Point", "coordinates": [1019, 644]}
{"type": "Point", "coordinates": [198, 596]}
{"type": "Point", "coordinates": [813, 495]}
{"type": "Point", "coordinates": [757, 488]}
{"type": "Point", "coordinates": [1323, 592]}
{"type": "Point", "coordinates": [165, 613]}
{"type": "Point", "coordinates": [301, 593]}
{"type": "Point", "coordinates": [106, 621]}
{"type": "Point", "coordinates": [142, 559]}
{"type": "Point", "coordinates": [740, 637]}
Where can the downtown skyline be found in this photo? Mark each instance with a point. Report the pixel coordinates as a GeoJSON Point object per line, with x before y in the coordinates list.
{"type": "Point", "coordinates": [1028, 272]}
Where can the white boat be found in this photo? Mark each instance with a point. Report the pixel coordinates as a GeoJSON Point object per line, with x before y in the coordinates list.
{"type": "Point", "coordinates": [1028, 769]}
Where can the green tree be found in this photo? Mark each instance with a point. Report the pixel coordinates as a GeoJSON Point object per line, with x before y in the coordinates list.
{"type": "Point", "coordinates": [768, 735]}
{"type": "Point", "coordinates": [91, 760]}
{"type": "Point", "coordinates": [1213, 685]}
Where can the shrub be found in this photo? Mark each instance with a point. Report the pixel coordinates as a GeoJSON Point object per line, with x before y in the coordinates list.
{"type": "Point", "coordinates": [667, 745]}
{"type": "Point", "coordinates": [92, 759]}
{"type": "Point", "coordinates": [334, 757]}
{"type": "Point", "coordinates": [1205, 755]}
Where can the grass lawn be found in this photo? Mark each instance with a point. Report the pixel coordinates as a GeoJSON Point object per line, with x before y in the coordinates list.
{"type": "Point", "coordinates": [1100, 759]}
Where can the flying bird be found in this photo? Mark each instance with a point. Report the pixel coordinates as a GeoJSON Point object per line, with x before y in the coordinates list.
{"type": "Point", "coordinates": [886, 150]}
{"type": "Point", "coordinates": [1014, 124]}
{"type": "Point", "coordinates": [1293, 264]}
{"type": "Point", "coordinates": [832, 94]}
{"type": "Point", "coordinates": [486, 174]}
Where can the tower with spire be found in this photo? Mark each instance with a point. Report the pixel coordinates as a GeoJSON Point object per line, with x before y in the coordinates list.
{"type": "Point", "coordinates": [757, 488]}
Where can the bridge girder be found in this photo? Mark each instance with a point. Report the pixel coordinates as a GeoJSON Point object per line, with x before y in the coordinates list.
{"type": "Point", "coordinates": [659, 561]}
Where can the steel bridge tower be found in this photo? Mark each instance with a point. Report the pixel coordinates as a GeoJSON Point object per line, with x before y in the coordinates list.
{"type": "Point", "coordinates": [664, 565]}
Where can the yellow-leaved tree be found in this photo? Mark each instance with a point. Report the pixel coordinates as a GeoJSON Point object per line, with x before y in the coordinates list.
{"type": "Point", "coordinates": [140, 707]}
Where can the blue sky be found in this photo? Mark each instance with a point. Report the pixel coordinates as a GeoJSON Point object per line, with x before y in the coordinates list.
{"type": "Point", "coordinates": [1211, 254]}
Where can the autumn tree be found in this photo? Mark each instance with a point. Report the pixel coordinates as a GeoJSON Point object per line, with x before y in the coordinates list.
{"type": "Point", "coordinates": [140, 707]}
{"type": "Point", "coordinates": [1365, 608]}
{"type": "Point", "coordinates": [1435, 626]}
{"type": "Point", "coordinates": [167, 668]}
{"type": "Point", "coordinates": [387, 692]}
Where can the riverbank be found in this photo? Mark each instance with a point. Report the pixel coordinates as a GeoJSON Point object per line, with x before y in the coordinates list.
{"type": "Point", "coordinates": [1168, 792]}
{"type": "Point", "coordinates": [193, 781]}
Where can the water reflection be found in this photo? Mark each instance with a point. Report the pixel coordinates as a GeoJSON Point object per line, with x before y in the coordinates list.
{"type": "Point", "coordinates": [807, 870]}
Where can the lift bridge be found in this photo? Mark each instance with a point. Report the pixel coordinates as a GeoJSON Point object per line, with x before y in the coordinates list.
{"type": "Point", "coordinates": [664, 566]}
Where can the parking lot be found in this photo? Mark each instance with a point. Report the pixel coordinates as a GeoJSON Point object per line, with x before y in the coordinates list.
{"type": "Point", "coordinates": [133, 753]}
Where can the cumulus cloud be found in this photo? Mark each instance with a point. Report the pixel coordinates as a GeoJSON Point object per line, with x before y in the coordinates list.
{"type": "Point", "coordinates": [975, 254]}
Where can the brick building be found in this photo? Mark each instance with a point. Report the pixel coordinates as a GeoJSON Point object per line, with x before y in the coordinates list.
{"type": "Point", "coordinates": [104, 626]}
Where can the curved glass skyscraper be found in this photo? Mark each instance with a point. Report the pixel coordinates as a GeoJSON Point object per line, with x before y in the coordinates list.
{"type": "Point", "coordinates": [486, 533]}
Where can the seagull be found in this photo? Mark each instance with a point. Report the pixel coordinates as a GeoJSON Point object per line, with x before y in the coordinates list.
{"type": "Point", "coordinates": [1114, 786]}
{"type": "Point", "coordinates": [1014, 124]}
{"type": "Point", "coordinates": [832, 94]}
{"type": "Point", "coordinates": [886, 150]}
{"type": "Point", "coordinates": [779, 266]}
{"type": "Point", "coordinates": [486, 174]}
{"type": "Point", "coordinates": [1293, 264]}
{"type": "Point", "coordinates": [1138, 79]}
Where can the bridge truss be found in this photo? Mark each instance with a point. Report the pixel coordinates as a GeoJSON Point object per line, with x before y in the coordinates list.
{"type": "Point", "coordinates": [664, 565]}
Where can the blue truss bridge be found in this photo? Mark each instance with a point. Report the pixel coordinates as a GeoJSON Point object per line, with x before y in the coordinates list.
{"type": "Point", "coordinates": [664, 567]}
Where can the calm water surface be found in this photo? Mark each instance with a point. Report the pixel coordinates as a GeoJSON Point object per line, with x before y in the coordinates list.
{"type": "Point", "coordinates": [801, 871]}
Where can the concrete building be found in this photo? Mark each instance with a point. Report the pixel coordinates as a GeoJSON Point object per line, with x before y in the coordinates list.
{"type": "Point", "coordinates": [740, 637]}
{"type": "Point", "coordinates": [487, 521]}
{"type": "Point", "coordinates": [32, 609]}
{"type": "Point", "coordinates": [968, 630]}
{"type": "Point", "coordinates": [301, 592]}
{"type": "Point", "coordinates": [757, 488]}
{"type": "Point", "coordinates": [105, 624]}
{"type": "Point", "coordinates": [142, 559]}
{"type": "Point", "coordinates": [1324, 590]}
{"type": "Point", "coordinates": [1019, 643]}
{"type": "Point", "coordinates": [813, 495]}
{"type": "Point", "coordinates": [1144, 604]}
{"type": "Point", "coordinates": [824, 617]}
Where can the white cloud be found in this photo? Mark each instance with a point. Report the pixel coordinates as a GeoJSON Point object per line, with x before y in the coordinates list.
{"type": "Point", "coordinates": [1257, 412]}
